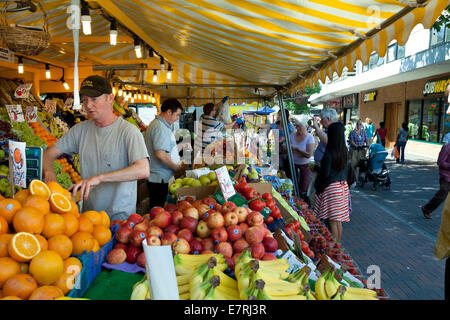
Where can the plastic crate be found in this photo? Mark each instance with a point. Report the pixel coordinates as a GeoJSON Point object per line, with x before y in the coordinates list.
{"type": "Point", "coordinates": [92, 265]}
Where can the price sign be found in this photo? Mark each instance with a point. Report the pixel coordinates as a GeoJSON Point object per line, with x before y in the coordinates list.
{"type": "Point", "coordinates": [225, 182]}
{"type": "Point", "coordinates": [18, 161]}
{"type": "Point", "coordinates": [50, 106]}
{"type": "Point", "coordinates": [68, 103]}
{"type": "Point", "coordinates": [31, 114]}
{"type": "Point", "coordinates": [23, 91]}
{"type": "Point", "coordinates": [15, 112]}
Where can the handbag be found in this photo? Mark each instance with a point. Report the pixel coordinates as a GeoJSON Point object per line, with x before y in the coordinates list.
{"type": "Point", "coordinates": [396, 153]}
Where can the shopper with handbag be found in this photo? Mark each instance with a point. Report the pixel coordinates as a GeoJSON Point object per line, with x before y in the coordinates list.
{"type": "Point", "coordinates": [400, 144]}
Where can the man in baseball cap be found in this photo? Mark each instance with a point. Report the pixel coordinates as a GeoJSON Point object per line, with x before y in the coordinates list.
{"type": "Point", "coordinates": [94, 86]}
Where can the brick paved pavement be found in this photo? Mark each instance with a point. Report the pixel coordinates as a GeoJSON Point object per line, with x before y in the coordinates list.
{"type": "Point", "coordinates": [387, 229]}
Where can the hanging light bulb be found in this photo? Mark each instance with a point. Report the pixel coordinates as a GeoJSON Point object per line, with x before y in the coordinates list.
{"type": "Point", "coordinates": [65, 84]}
{"type": "Point", "coordinates": [85, 18]}
{"type": "Point", "coordinates": [162, 63]}
{"type": "Point", "coordinates": [145, 97]}
{"type": "Point", "coordinates": [139, 96]}
{"type": "Point", "coordinates": [20, 66]}
{"type": "Point", "coordinates": [155, 76]}
{"type": "Point", "coordinates": [137, 48]}
{"type": "Point", "coordinates": [153, 98]}
{"type": "Point", "coordinates": [114, 90]}
{"type": "Point", "coordinates": [113, 33]}
{"type": "Point", "coordinates": [47, 71]}
{"type": "Point", "coordinates": [120, 91]}
{"type": "Point", "coordinates": [169, 73]}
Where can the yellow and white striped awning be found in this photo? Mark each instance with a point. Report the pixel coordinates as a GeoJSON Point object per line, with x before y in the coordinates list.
{"type": "Point", "coordinates": [264, 44]}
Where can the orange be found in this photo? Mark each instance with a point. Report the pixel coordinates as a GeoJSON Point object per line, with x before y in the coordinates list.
{"type": "Point", "coordinates": [8, 268]}
{"type": "Point", "coordinates": [46, 267]}
{"type": "Point", "coordinates": [96, 246]}
{"type": "Point", "coordinates": [82, 241]}
{"type": "Point", "coordinates": [20, 285]}
{"type": "Point", "coordinates": [70, 224]}
{"type": "Point", "coordinates": [3, 225]}
{"type": "Point", "coordinates": [53, 225]}
{"type": "Point", "coordinates": [8, 208]}
{"type": "Point", "coordinates": [42, 242]}
{"type": "Point", "coordinates": [46, 293]}
{"type": "Point", "coordinates": [37, 202]}
{"type": "Point", "coordinates": [59, 203]}
{"type": "Point", "coordinates": [102, 234]}
{"type": "Point", "coordinates": [55, 187]}
{"type": "Point", "coordinates": [39, 188]}
{"type": "Point", "coordinates": [4, 240]}
{"type": "Point", "coordinates": [94, 216]}
{"type": "Point", "coordinates": [66, 282]}
{"type": "Point", "coordinates": [106, 221]}
{"type": "Point", "coordinates": [85, 224]}
{"type": "Point", "coordinates": [10, 298]}
{"type": "Point", "coordinates": [23, 247]}
{"type": "Point", "coordinates": [74, 209]}
{"type": "Point", "coordinates": [61, 244]}
{"type": "Point", "coordinates": [28, 219]}
{"type": "Point", "coordinates": [22, 195]}
{"type": "Point", "coordinates": [73, 266]}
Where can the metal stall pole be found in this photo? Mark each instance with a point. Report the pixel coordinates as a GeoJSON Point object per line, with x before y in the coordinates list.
{"type": "Point", "coordinates": [288, 144]}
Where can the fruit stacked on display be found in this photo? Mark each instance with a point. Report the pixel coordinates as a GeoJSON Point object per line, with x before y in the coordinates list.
{"type": "Point", "coordinates": [67, 168]}
{"type": "Point", "coordinates": [63, 178]}
{"type": "Point", "coordinates": [209, 179]}
{"type": "Point", "coordinates": [40, 230]}
{"type": "Point", "coordinates": [26, 134]}
{"type": "Point", "coordinates": [251, 175]}
{"type": "Point", "coordinates": [43, 133]}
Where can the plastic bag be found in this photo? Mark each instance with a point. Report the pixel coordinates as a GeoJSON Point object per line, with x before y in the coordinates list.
{"type": "Point", "coordinates": [396, 153]}
{"type": "Point", "coordinates": [223, 112]}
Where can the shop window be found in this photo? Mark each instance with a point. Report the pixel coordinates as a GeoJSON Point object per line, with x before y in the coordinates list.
{"type": "Point", "coordinates": [414, 117]}
{"type": "Point", "coordinates": [430, 120]}
{"type": "Point", "coordinates": [400, 52]}
{"type": "Point", "coordinates": [437, 37]}
{"type": "Point", "coordinates": [391, 54]}
{"type": "Point", "coordinates": [365, 68]}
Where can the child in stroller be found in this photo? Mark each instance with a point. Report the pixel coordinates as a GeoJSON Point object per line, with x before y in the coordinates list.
{"type": "Point", "coordinates": [375, 169]}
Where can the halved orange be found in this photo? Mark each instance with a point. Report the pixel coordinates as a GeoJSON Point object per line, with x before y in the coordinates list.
{"type": "Point", "coordinates": [39, 188]}
{"type": "Point", "coordinates": [55, 187]}
{"type": "Point", "coordinates": [59, 203]}
{"type": "Point", "coordinates": [23, 247]}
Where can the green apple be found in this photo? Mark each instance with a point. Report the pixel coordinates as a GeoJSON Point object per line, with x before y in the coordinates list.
{"type": "Point", "coordinates": [2, 153]}
{"type": "Point", "coordinates": [214, 183]}
{"type": "Point", "coordinates": [245, 171]}
{"type": "Point", "coordinates": [185, 181]}
{"type": "Point", "coordinates": [204, 180]}
{"type": "Point", "coordinates": [196, 183]}
{"type": "Point", "coordinates": [173, 188]}
{"type": "Point", "coordinates": [179, 181]}
{"type": "Point", "coordinates": [229, 167]}
{"type": "Point", "coordinates": [212, 176]}
{"type": "Point", "coordinates": [253, 175]}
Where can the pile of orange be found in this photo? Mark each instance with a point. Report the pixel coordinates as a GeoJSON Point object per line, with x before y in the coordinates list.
{"type": "Point", "coordinates": [40, 230]}
{"type": "Point", "coordinates": [43, 133]}
{"type": "Point", "coordinates": [68, 168]}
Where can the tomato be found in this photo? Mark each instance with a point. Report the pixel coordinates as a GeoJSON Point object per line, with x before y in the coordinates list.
{"type": "Point", "coordinates": [300, 234]}
{"type": "Point", "coordinates": [250, 193]}
{"type": "Point", "coordinates": [267, 196]}
{"type": "Point", "coordinates": [305, 246]}
{"type": "Point", "coordinates": [257, 205]}
{"type": "Point", "coordinates": [276, 213]}
{"type": "Point", "coordinates": [296, 224]}
{"type": "Point", "coordinates": [269, 219]}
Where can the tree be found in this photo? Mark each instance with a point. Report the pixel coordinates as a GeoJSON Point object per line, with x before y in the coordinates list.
{"type": "Point", "coordinates": [443, 21]}
{"type": "Point", "coordinates": [299, 104]}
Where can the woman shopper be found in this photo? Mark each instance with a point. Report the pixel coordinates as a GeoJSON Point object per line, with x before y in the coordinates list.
{"type": "Point", "coordinates": [402, 138]}
{"type": "Point", "coordinates": [380, 133]}
{"type": "Point", "coordinates": [332, 194]}
{"type": "Point", "coordinates": [370, 129]}
{"type": "Point", "coordinates": [302, 144]}
{"type": "Point", "coordinates": [358, 141]}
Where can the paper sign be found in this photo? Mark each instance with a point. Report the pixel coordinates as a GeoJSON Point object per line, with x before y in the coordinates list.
{"type": "Point", "coordinates": [6, 55]}
{"type": "Point", "coordinates": [68, 103]}
{"type": "Point", "coordinates": [19, 162]}
{"type": "Point", "coordinates": [15, 112]}
{"type": "Point", "coordinates": [50, 106]}
{"type": "Point", "coordinates": [23, 91]}
{"type": "Point", "coordinates": [225, 182]}
{"type": "Point", "coordinates": [31, 114]}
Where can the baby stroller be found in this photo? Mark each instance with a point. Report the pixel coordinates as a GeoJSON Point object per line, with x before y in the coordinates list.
{"type": "Point", "coordinates": [375, 169]}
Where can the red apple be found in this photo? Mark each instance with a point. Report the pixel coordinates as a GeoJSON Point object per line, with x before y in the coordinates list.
{"type": "Point", "coordinates": [120, 246]}
{"type": "Point", "coordinates": [196, 246]}
{"type": "Point", "coordinates": [228, 206]}
{"type": "Point", "coordinates": [128, 224]}
{"type": "Point", "coordinates": [243, 226]}
{"type": "Point", "coordinates": [202, 229]}
{"type": "Point", "coordinates": [185, 234]}
{"type": "Point", "coordinates": [202, 209]}
{"type": "Point", "coordinates": [137, 237]}
{"type": "Point", "coordinates": [219, 235]}
{"type": "Point", "coordinates": [143, 226]}
{"type": "Point", "coordinates": [255, 219]}
{"type": "Point", "coordinates": [176, 216]}
{"type": "Point", "coordinates": [155, 231]}
{"type": "Point", "coordinates": [168, 239]}
{"type": "Point", "coordinates": [181, 246]}
{"type": "Point", "coordinates": [132, 254]}
{"type": "Point", "coordinates": [196, 203]}
{"type": "Point", "coordinates": [183, 204]}
{"type": "Point", "coordinates": [257, 250]}
{"type": "Point", "coordinates": [207, 252]}
{"type": "Point", "coordinates": [123, 234]}
{"type": "Point", "coordinates": [230, 218]}
{"type": "Point", "coordinates": [136, 218]}
{"type": "Point", "coordinates": [224, 248]}
{"type": "Point", "coordinates": [116, 221]}
{"type": "Point", "coordinates": [269, 256]}
{"type": "Point", "coordinates": [241, 213]}
{"type": "Point", "coordinates": [254, 235]}
{"type": "Point", "coordinates": [162, 219]}
{"type": "Point", "coordinates": [208, 244]}
{"type": "Point", "coordinates": [191, 212]}
{"type": "Point", "coordinates": [240, 245]}
{"type": "Point", "coordinates": [270, 244]}
{"type": "Point", "coordinates": [155, 211]}
{"type": "Point", "coordinates": [171, 228]}
{"type": "Point", "coordinates": [189, 223]}
{"type": "Point", "coordinates": [234, 232]}
{"type": "Point", "coordinates": [141, 260]}
{"type": "Point", "coordinates": [216, 220]}
{"type": "Point", "coordinates": [211, 202]}
{"type": "Point", "coordinates": [267, 233]}
{"type": "Point", "coordinates": [218, 207]}
{"type": "Point", "coordinates": [230, 262]}
{"type": "Point", "coordinates": [153, 240]}
{"type": "Point", "coordinates": [170, 207]}
{"type": "Point", "coordinates": [235, 256]}
{"type": "Point", "coordinates": [116, 256]}
{"type": "Point", "coordinates": [206, 214]}
{"type": "Point", "coordinates": [189, 199]}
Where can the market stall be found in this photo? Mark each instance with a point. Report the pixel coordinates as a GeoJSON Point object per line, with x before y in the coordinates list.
{"type": "Point", "coordinates": [237, 231]}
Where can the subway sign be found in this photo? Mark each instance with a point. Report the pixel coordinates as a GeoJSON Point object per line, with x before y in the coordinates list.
{"type": "Point", "coordinates": [435, 87]}
{"type": "Point", "coordinates": [370, 96]}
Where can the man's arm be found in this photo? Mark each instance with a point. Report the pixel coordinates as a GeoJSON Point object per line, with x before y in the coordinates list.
{"type": "Point", "coordinates": [166, 160]}
{"type": "Point", "coordinates": [323, 137]}
{"type": "Point", "coordinates": [49, 156]}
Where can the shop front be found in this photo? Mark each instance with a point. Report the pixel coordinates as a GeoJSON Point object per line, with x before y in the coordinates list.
{"type": "Point", "coordinates": [336, 104]}
{"type": "Point", "coordinates": [350, 107]}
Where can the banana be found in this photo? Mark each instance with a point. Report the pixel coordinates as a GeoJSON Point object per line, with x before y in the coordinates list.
{"type": "Point", "coordinates": [308, 293]}
{"type": "Point", "coordinates": [339, 294]}
{"type": "Point", "coordinates": [361, 291]}
{"type": "Point", "coordinates": [183, 279]}
{"type": "Point", "coordinates": [140, 291]}
{"type": "Point", "coordinates": [269, 263]}
{"type": "Point", "coordinates": [351, 296]}
{"type": "Point", "coordinates": [212, 293]}
{"type": "Point", "coordinates": [294, 297]}
{"type": "Point", "coordinates": [331, 285]}
{"type": "Point", "coordinates": [183, 288]}
{"type": "Point", "coordinates": [198, 291]}
{"type": "Point", "coordinates": [196, 259]}
{"type": "Point", "coordinates": [228, 293]}
{"type": "Point", "coordinates": [185, 296]}
{"type": "Point", "coordinates": [320, 287]}
{"type": "Point", "coordinates": [225, 280]}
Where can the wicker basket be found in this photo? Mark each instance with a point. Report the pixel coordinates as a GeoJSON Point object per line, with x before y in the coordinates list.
{"type": "Point", "coordinates": [23, 40]}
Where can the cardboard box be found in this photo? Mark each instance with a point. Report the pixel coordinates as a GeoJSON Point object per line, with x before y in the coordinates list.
{"type": "Point", "coordinates": [196, 192]}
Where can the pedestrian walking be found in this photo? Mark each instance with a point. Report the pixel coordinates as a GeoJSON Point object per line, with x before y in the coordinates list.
{"type": "Point", "coordinates": [370, 129]}
{"type": "Point", "coordinates": [332, 195]}
{"type": "Point", "coordinates": [380, 133]}
{"type": "Point", "coordinates": [358, 141]}
{"type": "Point", "coordinates": [400, 143]}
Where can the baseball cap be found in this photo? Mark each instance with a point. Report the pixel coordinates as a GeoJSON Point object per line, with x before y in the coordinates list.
{"type": "Point", "coordinates": [94, 86]}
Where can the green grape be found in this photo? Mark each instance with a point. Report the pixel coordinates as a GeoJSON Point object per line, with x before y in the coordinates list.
{"type": "Point", "coordinates": [57, 167]}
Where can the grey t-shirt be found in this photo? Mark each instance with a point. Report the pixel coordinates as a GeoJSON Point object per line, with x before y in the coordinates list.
{"type": "Point", "coordinates": [103, 150]}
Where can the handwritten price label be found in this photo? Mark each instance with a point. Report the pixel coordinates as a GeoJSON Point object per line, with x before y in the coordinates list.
{"type": "Point", "coordinates": [225, 182]}
{"type": "Point", "coordinates": [31, 114]}
{"type": "Point", "coordinates": [23, 91]}
{"type": "Point", "coordinates": [50, 106]}
{"type": "Point", "coordinates": [15, 113]}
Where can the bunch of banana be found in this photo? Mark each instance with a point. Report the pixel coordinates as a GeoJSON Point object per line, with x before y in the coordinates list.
{"type": "Point", "coordinates": [187, 263]}
{"type": "Point", "coordinates": [141, 290]}
{"type": "Point", "coordinates": [278, 265]}
{"type": "Point", "coordinates": [300, 277]}
{"type": "Point", "coordinates": [307, 292]}
{"type": "Point", "coordinates": [259, 290]}
{"type": "Point", "coordinates": [183, 286]}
